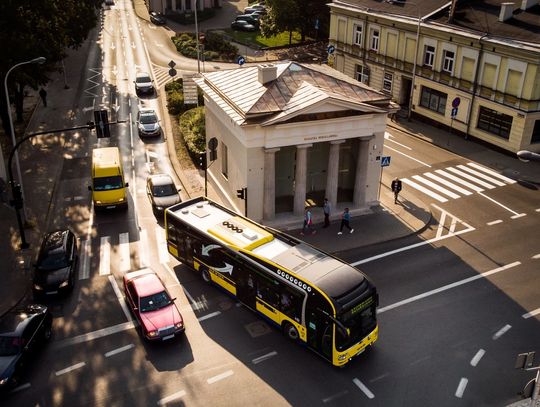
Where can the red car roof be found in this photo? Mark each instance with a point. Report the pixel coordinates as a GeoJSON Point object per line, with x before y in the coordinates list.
{"type": "Point", "coordinates": [148, 284]}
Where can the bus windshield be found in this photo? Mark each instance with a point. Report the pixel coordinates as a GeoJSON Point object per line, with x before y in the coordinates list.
{"type": "Point", "coordinates": [108, 183]}
{"type": "Point", "coordinates": [359, 320]}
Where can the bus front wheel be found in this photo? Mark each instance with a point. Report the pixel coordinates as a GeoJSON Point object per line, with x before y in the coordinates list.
{"type": "Point", "coordinates": [290, 331]}
{"type": "Point", "coordinates": [205, 274]}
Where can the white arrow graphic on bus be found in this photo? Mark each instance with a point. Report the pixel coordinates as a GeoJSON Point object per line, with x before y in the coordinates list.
{"type": "Point", "coordinates": [206, 249]}
{"type": "Point", "coordinates": [227, 269]}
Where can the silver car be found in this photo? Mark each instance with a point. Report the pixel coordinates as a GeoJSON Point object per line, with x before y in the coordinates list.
{"type": "Point", "coordinates": [144, 85]}
{"type": "Point", "coordinates": [148, 123]}
{"type": "Point", "coordinates": [161, 192]}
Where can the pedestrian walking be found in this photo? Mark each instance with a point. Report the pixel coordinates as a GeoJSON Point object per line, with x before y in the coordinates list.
{"type": "Point", "coordinates": [308, 222]}
{"type": "Point", "coordinates": [345, 221]}
{"type": "Point", "coordinates": [43, 96]}
{"type": "Point", "coordinates": [326, 210]}
{"type": "Point", "coordinates": [396, 189]}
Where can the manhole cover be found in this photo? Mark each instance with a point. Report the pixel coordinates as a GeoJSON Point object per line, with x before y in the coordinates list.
{"type": "Point", "coordinates": [256, 329]}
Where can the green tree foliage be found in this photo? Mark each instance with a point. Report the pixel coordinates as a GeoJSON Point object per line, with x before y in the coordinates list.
{"type": "Point", "coordinates": [215, 47]}
{"type": "Point", "coordinates": [192, 125]}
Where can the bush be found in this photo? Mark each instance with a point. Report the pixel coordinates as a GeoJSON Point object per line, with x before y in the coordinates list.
{"type": "Point", "coordinates": [215, 46]}
{"type": "Point", "coordinates": [174, 86]}
{"type": "Point", "coordinates": [175, 103]}
{"type": "Point", "coordinates": [192, 126]}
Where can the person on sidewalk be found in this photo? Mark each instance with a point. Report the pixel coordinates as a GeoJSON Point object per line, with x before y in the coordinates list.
{"type": "Point", "coordinates": [308, 222]}
{"type": "Point", "coordinates": [326, 209]}
{"type": "Point", "coordinates": [43, 96]}
{"type": "Point", "coordinates": [396, 189]}
{"type": "Point", "coordinates": [345, 221]}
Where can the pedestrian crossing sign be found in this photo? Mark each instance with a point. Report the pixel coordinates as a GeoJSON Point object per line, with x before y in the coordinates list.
{"type": "Point", "coordinates": [385, 161]}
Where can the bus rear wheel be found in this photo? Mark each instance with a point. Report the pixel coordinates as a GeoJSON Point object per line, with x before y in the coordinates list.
{"type": "Point", "coordinates": [290, 331]}
{"type": "Point", "coordinates": [205, 274]}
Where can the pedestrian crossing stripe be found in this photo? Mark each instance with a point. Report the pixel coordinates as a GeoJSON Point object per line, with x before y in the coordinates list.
{"type": "Point", "coordinates": [454, 182]}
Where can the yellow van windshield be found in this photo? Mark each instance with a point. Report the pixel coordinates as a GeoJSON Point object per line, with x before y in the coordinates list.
{"type": "Point", "coordinates": [108, 183]}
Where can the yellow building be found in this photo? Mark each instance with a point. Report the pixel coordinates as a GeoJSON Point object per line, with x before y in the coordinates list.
{"type": "Point", "coordinates": [434, 55]}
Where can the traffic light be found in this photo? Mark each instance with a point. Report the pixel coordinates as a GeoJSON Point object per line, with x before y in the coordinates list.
{"type": "Point", "coordinates": [101, 118]}
{"type": "Point", "coordinates": [241, 193]}
{"type": "Point", "coordinates": [202, 160]}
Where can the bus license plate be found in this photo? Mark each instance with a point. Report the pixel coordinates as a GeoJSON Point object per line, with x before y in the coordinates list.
{"type": "Point", "coordinates": [51, 292]}
{"type": "Point", "coordinates": [110, 207]}
{"type": "Point", "coordinates": [167, 337]}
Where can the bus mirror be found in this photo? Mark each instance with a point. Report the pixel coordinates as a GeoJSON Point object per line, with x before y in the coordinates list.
{"type": "Point", "coordinates": [127, 184]}
{"type": "Point", "coordinates": [89, 188]}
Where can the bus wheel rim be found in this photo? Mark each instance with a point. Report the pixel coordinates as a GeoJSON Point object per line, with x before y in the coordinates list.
{"type": "Point", "coordinates": [205, 275]}
{"type": "Point", "coordinates": [292, 333]}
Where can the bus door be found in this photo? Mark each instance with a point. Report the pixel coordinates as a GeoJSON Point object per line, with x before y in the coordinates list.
{"type": "Point", "coordinates": [320, 332]}
{"type": "Point", "coordinates": [180, 244]}
{"type": "Point", "coordinates": [246, 284]}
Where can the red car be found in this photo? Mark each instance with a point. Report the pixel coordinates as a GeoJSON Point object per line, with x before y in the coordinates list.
{"type": "Point", "coordinates": [152, 305]}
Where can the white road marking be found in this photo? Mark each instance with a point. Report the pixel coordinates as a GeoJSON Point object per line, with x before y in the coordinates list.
{"type": "Point", "coordinates": [363, 387]}
{"type": "Point", "coordinates": [263, 357]}
{"type": "Point", "coordinates": [520, 215]}
{"type": "Point", "coordinates": [143, 249]}
{"type": "Point", "coordinates": [493, 173]}
{"type": "Point", "coordinates": [408, 156]}
{"type": "Point", "coordinates": [494, 222]}
{"type": "Point", "coordinates": [446, 287]}
{"type": "Point", "coordinates": [70, 369]}
{"type": "Point", "coordinates": [95, 334]}
{"type": "Point", "coordinates": [461, 387]}
{"type": "Point", "coordinates": [531, 313]}
{"type": "Point", "coordinates": [441, 225]}
{"type": "Point", "coordinates": [452, 229]}
{"type": "Point", "coordinates": [219, 377]}
{"type": "Point", "coordinates": [482, 175]}
{"type": "Point", "coordinates": [498, 203]}
{"type": "Point", "coordinates": [501, 332]}
{"type": "Point", "coordinates": [535, 257]}
{"type": "Point", "coordinates": [335, 396]}
{"type": "Point", "coordinates": [477, 357]}
{"type": "Point", "coordinates": [105, 256]}
{"type": "Point", "coordinates": [208, 316]}
{"type": "Point", "coordinates": [162, 246]}
{"type": "Point", "coordinates": [85, 263]}
{"type": "Point", "coordinates": [172, 397]}
{"type": "Point", "coordinates": [424, 190]}
{"type": "Point", "coordinates": [123, 249]}
{"type": "Point", "coordinates": [436, 187]}
{"type": "Point", "coordinates": [447, 183]}
{"type": "Point", "coordinates": [459, 180]}
{"type": "Point", "coordinates": [21, 387]}
{"type": "Point", "coordinates": [537, 210]}
{"type": "Point", "coordinates": [470, 177]}
{"type": "Point", "coordinates": [119, 350]}
{"type": "Point", "coordinates": [389, 137]}
{"type": "Point", "coordinates": [120, 298]}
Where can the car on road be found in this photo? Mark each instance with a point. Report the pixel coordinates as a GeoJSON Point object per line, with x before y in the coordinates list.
{"type": "Point", "coordinates": [249, 18]}
{"type": "Point", "coordinates": [56, 266]}
{"type": "Point", "coordinates": [148, 123]}
{"type": "Point", "coordinates": [152, 305]}
{"type": "Point", "coordinates": [109, 2]}
{"type": "Point", "coordinates": [144, 85]}
{"type": "Point", "coordinates": [161, 192]}
{"type": "Point", "coordinates": [157, 18]}
{"type": "Point", "coordinates": [23, 331]}
{"type": "Point", "coordinates": [255, 8]}
{"type": "Point", "coordinates": [243, 26]}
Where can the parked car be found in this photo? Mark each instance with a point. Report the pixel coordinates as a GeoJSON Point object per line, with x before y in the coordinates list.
{"type": "Point", "coordinates": [56, 266]}
{"type": "Point", "coordinates": [243, 26]}
{"type": "Point", "coordinates": [157, 18]}
{"type": "Point", "coordinates": [162, 192]}
{"type": "Point", "coordinates": [109, 2]}
{"type": "Point", "coordinates": [148, 299]}
{"type": "Point", "coordinates": [252, 9]}
{"type": "Point", "coordinates": [23, 331]}
{"type": "Point", "coordinates": [250, 19]}
{"type": "Point", "coordinates": [144, 84]}
{"type": "Point", "coordinates": [148, 123]}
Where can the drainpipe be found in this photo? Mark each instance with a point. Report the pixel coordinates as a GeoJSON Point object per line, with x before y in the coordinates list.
{"type": "Point", "coordinates": [475, 84]}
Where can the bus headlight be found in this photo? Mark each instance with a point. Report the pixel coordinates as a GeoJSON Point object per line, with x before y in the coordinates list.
{"type": "Point", "coordinates": [342, 357]}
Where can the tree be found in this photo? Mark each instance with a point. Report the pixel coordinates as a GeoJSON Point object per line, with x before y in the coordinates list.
{"type": "Point", "coordinates": [44, 28]}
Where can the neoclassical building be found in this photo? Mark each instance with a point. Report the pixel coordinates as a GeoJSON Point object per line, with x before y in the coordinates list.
{"type": "Point", "coordinates": [293, 134]}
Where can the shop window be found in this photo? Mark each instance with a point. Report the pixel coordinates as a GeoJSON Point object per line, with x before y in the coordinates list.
{"type": "Point", "coordinates": [494, 122]}
{"type": "Point", "coordinates": [433, 100]}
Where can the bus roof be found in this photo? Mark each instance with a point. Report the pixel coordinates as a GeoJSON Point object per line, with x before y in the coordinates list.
{"type": "Point", "coordinates": [333, 276]}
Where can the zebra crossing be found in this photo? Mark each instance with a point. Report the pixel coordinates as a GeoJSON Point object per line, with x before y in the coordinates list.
{"type": "Point", "coordinates": [121, 253]}
{"type": "Point", "coordinates": [161, 75]}
{"type": "Point", "coordinates": [457, 181]}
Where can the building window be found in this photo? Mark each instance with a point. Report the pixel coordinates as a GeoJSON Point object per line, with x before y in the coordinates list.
{"type": "Point", "coordinates": [387, 82]}
{"type": "Point", "coordinates": [433, 100]}
{"type": "Point", "coordinates": [224, 160]}
{"type": "Point", "coordinates": [535, 138]}
{"type": "Point", "coordinates": [357, 35]}
{"type": "Point", "coordinates": [448, 62]}
{"type": "Point", "coordinates": [494, 122]}
{"type": "Point", "coordinates": [375, 40]}
{"type": "Point", "coordinates": [429, 56]}
{"type": "Point", "coordinates": [362, 74]}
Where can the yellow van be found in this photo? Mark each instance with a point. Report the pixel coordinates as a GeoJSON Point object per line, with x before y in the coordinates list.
{"type": "Point", "coordinates": [109, 190]}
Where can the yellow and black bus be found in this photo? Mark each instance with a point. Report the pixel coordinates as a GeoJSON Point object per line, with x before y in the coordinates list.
{"type": "Point", "coordinates": [315, 298]}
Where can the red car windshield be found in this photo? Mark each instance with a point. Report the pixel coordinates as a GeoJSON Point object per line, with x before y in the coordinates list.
{"type": "Point", "coordinates": [154, 302]}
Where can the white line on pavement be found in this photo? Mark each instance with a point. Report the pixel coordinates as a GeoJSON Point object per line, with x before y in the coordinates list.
{"type": "Point", "coordinates": [389, 137]}
{"type": "Point", "coordinates": [363, 387]}
{"type": "Point", "coordinates": [477, 357]}
{"type": "Point", "coordinates": [335, 396]}
{"type": "Point", "coordinates": [459, 180]}
{"type": "Point", "coordinates": [531, 313]}
{"type": "Point", "coordinates": [105, 256]}
{"type": "Point", "coordinates": [119, 350]}
{"type": "Point", "coordinates": [120, 298]}
{"type": "Point", "coordinates": [482, 175]}
{"type": "Point", "coordinates": [446, 287]}
{"type": "Point", "coordinates": [95, 334]}
{"type": "Point", "coordinates": [470, 177]}
{"type": "Point", "coordinates": [435, 187]}
{"type": "Point", "coordinates": [501, 332]}
{"type": "Point", "coordinates": [220, 377]}
{"type": "Point", "coordinates": [143, 249]}
{"type": "Point", "coordinates": [21, 387]}
{"type": "Point", "coordinates": [408, 156]}
{"type": "Point", "coordinates": [424, 190]}
{"type": "Point", "coordinates": [264, 357]}
{"type": "Point", "coordinates": [494, 222]}
{"type": "Point", "coordinates": [162, 246]}
{"type": "Point", "coordinates": [208, 316]}
{"type": "Point", "coordinates": [441, 225]}
{"type": "Point", "coordinates": [536, 257]}
{"type": "Point", "coordinates": [461, 387]}
{"type": "Point", "coordinates": [518, 216]}
{"type": "Point", "coordinates": [492, 173]}
{"type": "Point", "coordinates": [123, 249]}
{"type": "Point", "coordinates": [498, 203]}
{"type": "Point", "coordinates": [447, 183]}
{"type": "Point", "coordinates": [70, 369]}
{"type": "Point", "coordinates": [85, 263]}
{"type": "Point", "coordinates": [172, 397]}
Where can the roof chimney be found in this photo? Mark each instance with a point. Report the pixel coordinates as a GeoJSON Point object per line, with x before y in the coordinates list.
{"type": "Point", "coordinates": [507, 10]}
{"type": "Point", "coordinates": [267, 73]}
{"type": "Point", "coordinates": [525, 4]}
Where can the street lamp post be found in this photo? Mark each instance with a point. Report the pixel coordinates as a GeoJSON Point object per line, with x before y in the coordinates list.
{"type": "Point", "coordinates": [414, 64]}
{"type": "Point", "coordinates": [39, 60]}
{"type": "Point", "coordinates": [197, 39]}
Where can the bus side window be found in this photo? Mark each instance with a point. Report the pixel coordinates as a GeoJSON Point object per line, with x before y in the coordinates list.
{"type": "Point", "coordinates": [291, 302]}
{"type": "Point", "coordinates": [171, 234]}
{"type": "Point", "coordinates": [268, 290]}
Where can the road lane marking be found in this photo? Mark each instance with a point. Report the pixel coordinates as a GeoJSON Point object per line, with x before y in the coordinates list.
{"type": "Point", "coordinates": [447, 183]}
{"type": "Point", "coordinates": [335, 396]}
{"type": "Point", "coordinates": [120, 298]}
{"type": "Point", "coordinates": [123, 249]}
{"type": "Point", "coordinates": [263, 357]}
{"type": "Point", "coordinates": [477, 357]}
{"type": "Point", "coordinates": [143, 249]}
{"type": "Point", "coordinates": [536, 257]}
{"type": "Point", "coordinates": [482, 175]}
{"type": "Point", "coordinates": [461, 387]}
{"type": "Point", "coordinates": [21, 387]}
{"type": "Point", "coordinates": [436, 187]}
{"type": "Point", "coordinates": [172, 397]}
{"type": "Point", "coordinates": [441, 225]}
{"type": "Point", "coordinates": [537, 210]}
{"type": "Point", "coordinates": [531, 313]}
{"type": "Point", "coordinates": [498, 203]}
{"type": "Point", "coordinates": [70, 369]}
{"type": "Point", "coordinates": [459, 180]}
{"type": "Point", "coordinates": [90, 336]}
{"type": "Point", "coordinates": [492, 173]}
{"type": "Point", "coordinates": [520, 215]}
{"type": "Point", "coordinates": [219, 377]}
{"type": "Point", "coordinates": [105, 256]}
{"type": "Point", "coordinates": [494, 222]}
{"type": "Point", "coordinates": [363, 387]}
{"type": "Point", "coordinates": [208, 316]}
{"type": "Point", "coordinates": [446, 287]}
{"type": "Point", "coordinates": [470, 177]}
{"type": "Point", "coordinates": [162, 246]}
{"type": "Point", "coordinates": [389, 137]}
{"type": "Point", "coordinates": [501, 332]}
{"type": "Point", "coordinates": [408, 156]}
{"type": "Point", "coordinates": [119, 350]}
{"type": "Point", "coordinates": [424, 190]}
{"type": "Point", "coordinates": [85, 263]}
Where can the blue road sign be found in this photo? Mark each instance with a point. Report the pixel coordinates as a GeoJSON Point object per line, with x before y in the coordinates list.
{"type": "Point", "coordinates": [456, 102]}
{"type": "Point", "coordinates": [454, 112]}
{"type": "Point", "coordinates": [385, 161]}
{"type": "Point", "coordinates": [240, 60]}
{"type": "Point", "coordinates": [330, 49]}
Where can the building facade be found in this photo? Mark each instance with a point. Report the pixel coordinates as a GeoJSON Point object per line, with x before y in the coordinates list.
{"type": "Point", "coordinates": [181, 6]}
{"type": "Point", "coordinates": [472, 66]}
{"type": "Point", "coordinates": [293, 134]}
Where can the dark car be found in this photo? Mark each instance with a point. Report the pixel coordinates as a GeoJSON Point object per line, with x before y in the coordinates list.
{"type": "Point", "coordinates": [249, 18]}
{"type": "Point", "coordinates": [157, 18]}
{"type": "Point", "coordinates": [162, 192]}
{"type": "Point", "coordinates": [56, 266]}
{"type": "Point", "coordinates": [243, 26]}
{"type": "Point", "coordinates": [22, 332]}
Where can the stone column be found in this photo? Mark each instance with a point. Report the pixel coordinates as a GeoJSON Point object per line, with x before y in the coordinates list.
{"type": "Point", "coordinates": [359, 197]}
{"type": "Point", "coordinates": [269, 203]}
{"type": "Point", "coordinates": [332, 172]}
{"type": "Point", "coordinates": [300, 178]}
